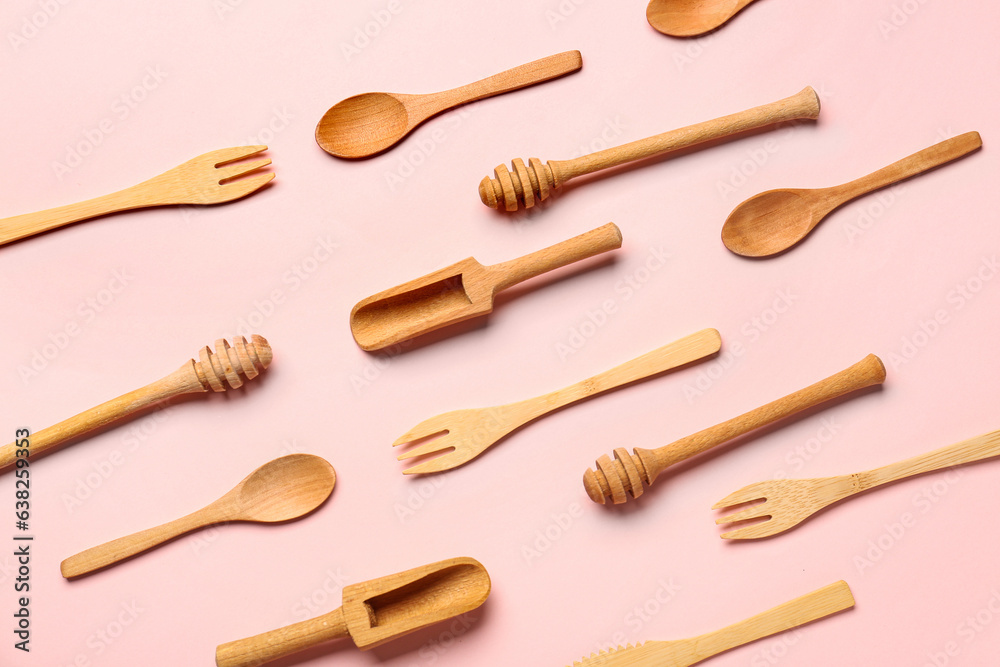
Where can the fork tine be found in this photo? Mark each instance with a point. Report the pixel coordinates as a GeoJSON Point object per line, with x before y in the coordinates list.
{"type": "Point", "coordinates": [452, 459]}
{"type": "Point", "coordinates": [756, 531]}
{"type": "Point", "coordinates": [244, 187]}
{"type": "Point", "coordinates": [755, 512]}
{"type": "Point", "coordinates": [424, 429]}
{"type": "Point", "coordinates": [430, 447]}
{"type": "Point", "coordinates": [224, 155]}
{"type": "Point", "coordinates": [745, 495]}
{"type": "Point", "coordinates": [240, 168]}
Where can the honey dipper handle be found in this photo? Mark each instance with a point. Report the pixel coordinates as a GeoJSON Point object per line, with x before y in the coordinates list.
{"type": "Point", "coordinates": [588, 244]}
{"type": "Point", "coordinates": [921, 161]}
{"type": "Point", "coordinates": [182, 381]}
{"type": "Point", "coordinates": [529, 74]}
{"type": "Point", "coordinates": [805, 104]}
{"type": "Point", "coordinates": [282, 642]}
{"type": "Point", "coordinates": [867, 372]}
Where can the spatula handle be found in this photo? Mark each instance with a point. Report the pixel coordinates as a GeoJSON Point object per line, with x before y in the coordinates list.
{"type": "Point", "coordinates": [806, 609]}
{"type": "Point", "coordinates": [282, 642]}
{"type": "Point", "coordinates": [109, 553]}
{"type": "Point", "coordinates": [522, 76]}
{"type": "Point", "coordinates": [934, 156]}
{"type": "Point", "coordinates": [588, 244]}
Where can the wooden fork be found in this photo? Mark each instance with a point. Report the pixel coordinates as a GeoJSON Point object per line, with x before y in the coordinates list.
{"type": "Point", "coordinates": [788, 502]}
{"type": "Point", "coordinates": [468, 433]}
{"type": "Point", "coordinates": [206, 179]}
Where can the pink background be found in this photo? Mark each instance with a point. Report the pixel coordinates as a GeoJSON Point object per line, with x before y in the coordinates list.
{"type": "Point", "coordinates": [894, 77]}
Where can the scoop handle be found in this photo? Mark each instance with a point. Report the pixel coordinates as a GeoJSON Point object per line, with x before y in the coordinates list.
{"type": "Point", "coordinates": [522, 76]}
{"type": "Point", "coordinates": [588, 244]}
{"type": "Point", "coordinates": [921, 161]}
{"type": "Point", "coordinates": [282, 642]}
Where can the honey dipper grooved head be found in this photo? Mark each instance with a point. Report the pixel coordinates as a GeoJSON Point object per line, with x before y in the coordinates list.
{"type": "Point", "coordinates": [232, 363]}
{"type": "Point", "coordinates": [616, 479]}
{"type": "Point", "coordinates": [520, 185]}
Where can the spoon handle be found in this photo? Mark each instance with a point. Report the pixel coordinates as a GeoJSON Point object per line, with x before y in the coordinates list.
{"type": "Point", "coordinates": [268, 646]}
{"type": "Point", "coordinates": [934, 156]}
{"type": "Point", "coordinates": [588, 244]}
{"type": "Point", "coordinates": [512, 79]}
{"type": "Point", "coordinates": [114, 551]}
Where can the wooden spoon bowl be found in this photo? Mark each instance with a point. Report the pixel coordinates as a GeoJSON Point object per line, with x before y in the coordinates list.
{"type": "Point", "coordinates": [690, 18]}
{"type": "Point", "coordinates": [363, 125]}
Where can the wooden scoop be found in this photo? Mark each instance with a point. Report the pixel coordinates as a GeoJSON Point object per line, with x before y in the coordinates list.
{"type": "Point", "coordinates": [774, 221]}
{"type": "Point", "coordinates": [284, 489]}
{"type": "Point", "coordinates": [690, 18]}
{"type": "Point", "coordinates": [462, 291]}
{"type": "Point", "coordinates": [367, 124]}
{"type": "Point", "coordinates": [373, 612]}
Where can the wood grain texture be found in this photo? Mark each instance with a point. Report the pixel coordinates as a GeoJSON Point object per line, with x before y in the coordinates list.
{"type": "Point", "coordinates": [370, 123]}
{"type": "Point", "coordinates": [683, 652]}
{"type": "Point", "coordinates": [623, 477]}
{"type": "Point", "coordinates": [284, 489]}
{"type": "Point", "coordinates": [468, 433]}
{"type": "Point", "coordinates": [374, 612]}
{"type": "Point", "coordinates": [197, 181]}
{"type": "Point", "coordinates": [526, 185]}
{"type": "Point", "coordinates": [774, 221]}
{"type": "Point", "coordinates": [462, 291]}
{"type": "Point", "coordinates": [789, 502]}
{"type": "Point", "coordinates": [227, 367]}
{"type": "Point", "coordinates": [690, 18]}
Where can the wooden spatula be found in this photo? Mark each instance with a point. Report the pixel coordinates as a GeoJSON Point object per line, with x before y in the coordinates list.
{"type": "Point", "coordinates": [462, 291]}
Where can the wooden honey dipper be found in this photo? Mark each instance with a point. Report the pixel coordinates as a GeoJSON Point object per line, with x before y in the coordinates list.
{"type": "Point", "coordinates": [527, 185]}
{"type": "Point", "coordinates": [624, 477]}
{"type": "Point", "coordinates": [215, 370]}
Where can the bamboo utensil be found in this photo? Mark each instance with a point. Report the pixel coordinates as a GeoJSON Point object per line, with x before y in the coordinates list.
{"type": "Point", "coordinates": [624, 477]}
{"type": "Point", "coordinates": [468, 433]}
{"type": "Point", "coordinates": [776, 220]}
{"type": "Point", "coordinates": [215, 370]}
{"type": "Point", "coordinates": [206, 179]}
{"type": "Point", "coordinates": [367, 124]}
{"type": "Point", "coordinates": [462, 290]}
{"type": "Point", "coordinates": [683, 652]}
{"type": "Point", "coordinates": [789, 502]}
{"type": "Point", "coordinates": [687, 18]}
{"type": "Point", "coordinates": [527, 185]}
{"type": "Point", "coordinates": [282, 490]}
{"type": "Point", "coordinates": [374, 612]}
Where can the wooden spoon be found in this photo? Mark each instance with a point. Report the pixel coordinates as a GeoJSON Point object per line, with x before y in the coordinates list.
{"type": "Point", "coordinates": [373, 612]}
{"type": "Point", "coordinates": [462, 290]}
{"type": "Point", "coordinates": [281, 490]}
{"type": "Point", "coordinates": [774, 221]}
{"type": "Point", "coordinates": [690, 18]}
{"type": "Point", "coordinates": [367, 124]}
